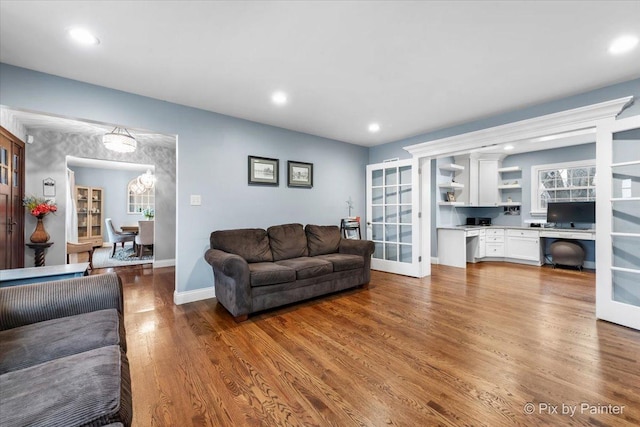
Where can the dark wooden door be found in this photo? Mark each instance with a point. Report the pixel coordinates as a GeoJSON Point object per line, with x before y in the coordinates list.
{"type": "Point", "coordinates": [11, 194]}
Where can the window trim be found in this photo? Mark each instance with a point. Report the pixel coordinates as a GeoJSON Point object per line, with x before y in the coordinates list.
{"type": "Point", "coordinates": [535, 183]}
{"type": "Point", "coordinates": [147, 194]}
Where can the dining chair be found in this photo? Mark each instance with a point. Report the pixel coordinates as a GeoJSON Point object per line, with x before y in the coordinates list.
{"type": "Point", "coordinates": [76, 248]}
{"type": "Point", "coordinates": [145, 236]}
{"type": "Point", "coordinates": [117, 236]}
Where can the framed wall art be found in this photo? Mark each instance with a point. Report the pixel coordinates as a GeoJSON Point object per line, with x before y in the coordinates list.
{"type": "Point", "coordinates": [300, 174]}
{"type": "Point", "coordinates": [264, 171]}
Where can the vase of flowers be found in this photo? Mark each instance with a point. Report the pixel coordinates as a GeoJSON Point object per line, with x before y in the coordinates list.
{"type": "Point", "coordinates": [39, 208]}
{"type": "Point", "coordinates": [149, 213]}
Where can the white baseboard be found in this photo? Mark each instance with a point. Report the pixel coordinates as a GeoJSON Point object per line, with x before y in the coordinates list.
{"type": "Point", "coordinates": [192, 296]}
{"type": "Point", "coordinates": [164, 263]}
{"type": "Point", "coordinates": [435, 260]}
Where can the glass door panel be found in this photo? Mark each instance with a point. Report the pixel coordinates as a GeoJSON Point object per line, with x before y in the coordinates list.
{"type": "Point", "coordinates": [618, 222]}
{"type": "Point", "coordinates": [392, 216]}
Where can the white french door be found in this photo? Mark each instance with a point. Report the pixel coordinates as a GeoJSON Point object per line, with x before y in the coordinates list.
{"type": "Point", "coordinates": [618, 222]}
{"type": "Point", "coordinates": [393, 200]}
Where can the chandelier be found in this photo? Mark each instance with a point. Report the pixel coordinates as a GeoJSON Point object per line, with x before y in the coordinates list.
{"type": "Point", "coordinates": [119, 140]}
{"type": "Point", "coordinates": [147, 179]}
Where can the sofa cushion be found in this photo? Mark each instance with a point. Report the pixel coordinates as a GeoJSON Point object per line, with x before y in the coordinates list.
{"type": "Point", "coordinates": [306, 267]}
{"type": "Point", "coordinates": [343, 262]}
{"type": "Point", "coordinates": [270, 273]}
{"type": "Point", "coordinates": [252, 244]}
{"type": "Point", "coordinates": [287, 241]}
{"type": "Point", "coordinates": [44, 341]}
{"type": "Point", "coordinates": [89, 388]}
{"type": "Point", "coordinates": [322, 239]}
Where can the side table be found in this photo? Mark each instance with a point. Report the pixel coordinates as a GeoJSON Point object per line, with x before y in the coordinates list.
{"type": "Point", "coordinates": [39, 248]}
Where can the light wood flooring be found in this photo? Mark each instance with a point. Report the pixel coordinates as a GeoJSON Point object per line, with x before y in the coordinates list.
{"type": "Point", "coordinates": [496, 344]}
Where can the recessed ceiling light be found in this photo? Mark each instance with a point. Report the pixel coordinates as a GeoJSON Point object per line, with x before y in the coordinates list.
{"type": "Point", "coordinates": [623, 44]}
{"type": "Point", "coordinates": [374, 127]}
{"type": "Point", "coordinates": [279, 98]}
{"type": "Point", "coordinates": [508, 147]}
{"type": "Point", "coordinates": [82, 36]}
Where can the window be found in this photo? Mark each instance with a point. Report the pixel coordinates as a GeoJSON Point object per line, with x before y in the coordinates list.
{"type": "Point", "coordinates": [562, 182]}
{"type": "Point", "coordinates": [139, 197]}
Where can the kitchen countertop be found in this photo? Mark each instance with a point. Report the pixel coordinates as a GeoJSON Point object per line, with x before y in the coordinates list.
{"type": "Point", "coordinates": [512, 227]}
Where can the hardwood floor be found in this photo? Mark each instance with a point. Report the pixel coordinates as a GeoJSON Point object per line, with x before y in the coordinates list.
{"type": "Point", "coordinates": [462, 347]}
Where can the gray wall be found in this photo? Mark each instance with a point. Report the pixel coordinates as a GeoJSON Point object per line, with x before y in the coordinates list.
{"type": "Point", "coordinates": [115, 184]}
{"type": "Point", "coordinates": [212, 155]}
{"type": "Point", "coordinates": [46, 157]}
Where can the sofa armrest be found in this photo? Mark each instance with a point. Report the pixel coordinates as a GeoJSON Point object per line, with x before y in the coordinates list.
{"type": "Point", "coordinates": [25, 304]}
{"type": "Point", "coordinates": [232, 281]}
{"type": "Point", "coordinates": [229, 264]}
{"type": "Point", "coordinates": [363, 248]}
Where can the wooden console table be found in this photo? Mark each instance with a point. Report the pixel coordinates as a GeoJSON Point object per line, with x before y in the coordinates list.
{"type": "Point", "coordinates": [39, 248]}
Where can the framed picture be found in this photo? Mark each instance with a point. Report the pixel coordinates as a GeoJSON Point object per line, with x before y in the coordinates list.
{"type": "Point", "coordinates": [264, 171]}
{"type": "Point", "coordinates": [300, 174]}
{"type": "Point", "coordinates": [451, 196]}
{"type": "Point", "coordinates": [49, 187]}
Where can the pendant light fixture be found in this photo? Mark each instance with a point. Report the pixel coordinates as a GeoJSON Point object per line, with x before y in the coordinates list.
{"type": "Point", "coordinates": [120, 140]}
{"type": "Point", "coordinates": [147, 179]}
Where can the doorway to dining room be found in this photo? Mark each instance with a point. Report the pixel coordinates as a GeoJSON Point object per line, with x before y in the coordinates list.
{"type": "Point", "coordinates": [119, 200]}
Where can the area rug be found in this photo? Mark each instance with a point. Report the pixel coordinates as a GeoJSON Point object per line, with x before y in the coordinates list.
{"type": "Point", "coordinates": [123, 257]}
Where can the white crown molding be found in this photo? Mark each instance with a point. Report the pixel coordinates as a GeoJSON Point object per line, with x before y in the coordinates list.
{"type": "Point", "coordinates": [563, 121]}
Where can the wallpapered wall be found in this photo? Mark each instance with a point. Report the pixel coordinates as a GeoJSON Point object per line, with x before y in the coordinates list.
{"type": "Point", "coordinates": [46, 158]}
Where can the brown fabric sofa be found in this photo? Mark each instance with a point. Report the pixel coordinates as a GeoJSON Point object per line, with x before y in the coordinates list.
{"type": "Point", "coordinates": [256, 269]}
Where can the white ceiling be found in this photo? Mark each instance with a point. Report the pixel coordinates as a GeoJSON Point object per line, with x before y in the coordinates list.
{"type": "Point", "coordinates": [412, 66]}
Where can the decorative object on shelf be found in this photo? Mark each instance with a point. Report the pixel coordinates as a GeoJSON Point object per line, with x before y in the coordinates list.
{"type": "Point", "coordinates": [120, 140]}
{"type": "Point", "coordinates": [512, 210]}
{"type": "Point", "coordinates": [451, 196]}
{"type": "Point", "coordinates": [39, 208]}
{"type": "Point", "coordinates": [509, 200]}
{"type": "Point", "coordinates": [264, 171]}
{"type": "Point", "coordinates": [300, 174]}
{"type": "Point", "coordinates": [149, 213]}
{"type": "Point", "coordinates": [49, 187]}
{"type": "Point", "coordinates": [350, 205]}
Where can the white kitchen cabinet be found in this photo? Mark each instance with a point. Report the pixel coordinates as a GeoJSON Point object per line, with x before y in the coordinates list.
{"type": "Point", "coordinates": [494, 242]}
{"type": "Point", "coordinates": [482, 241]}
{"type": "Point", "coordinates": [523, 245]}
{"type": "Point", "coordinates": [480, 178]}
{"type": "Point", "coordinates": [488, 194]}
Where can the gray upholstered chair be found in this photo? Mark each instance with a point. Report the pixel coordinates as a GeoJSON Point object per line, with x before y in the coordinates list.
{"type": "Point", "coordinates": [145, 236]}
{"type": "Point", "coordinates": [117, 236]}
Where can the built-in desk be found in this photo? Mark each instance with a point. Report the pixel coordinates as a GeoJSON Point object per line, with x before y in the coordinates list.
{"type": "Point", "coordinates": [22, 276]}
{"type": "Point", "coordinates": [568, 233]}
{"type": "Point", "coordinates": [458, 245]}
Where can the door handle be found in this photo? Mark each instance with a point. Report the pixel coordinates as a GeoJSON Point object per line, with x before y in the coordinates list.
{"type": "Point", "coordinates": [11, 224]}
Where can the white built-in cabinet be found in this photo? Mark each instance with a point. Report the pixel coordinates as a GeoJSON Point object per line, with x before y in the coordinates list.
{"type": "Point", "coordinates": [523, 245]}
{"type": "Point", "coordinates": [488, 194]}
{"type": "Point", "coordinates": [450, 183]}
{"type": "Point", "coordinates": [510, 186]}
{"type": "Point", "coordinates": [483, 181]}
